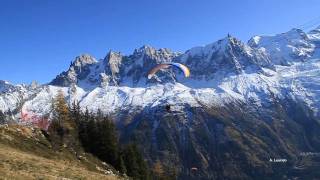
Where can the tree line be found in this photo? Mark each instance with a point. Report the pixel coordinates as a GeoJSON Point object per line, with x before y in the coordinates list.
{"type": "Point", "coordinates": [5, 116]}
{"type": "Point", "coordinates": [95, 133]}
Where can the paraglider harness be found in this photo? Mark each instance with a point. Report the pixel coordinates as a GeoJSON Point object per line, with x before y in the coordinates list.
{"type": "Point", "coordinates": [168, 107]}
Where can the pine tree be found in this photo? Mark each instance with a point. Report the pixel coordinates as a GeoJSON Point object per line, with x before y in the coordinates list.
{"type": "Point", "coordinates": [61, 110]}
{"type": "Point", "coordinates": [120, 165]}
{"type": "Point", "coordinates": [135, 164]}
{"type": "Point", "coordinates": [2, 117]}
{"type": "Point", "coordinates": [63, 128]}
{"type": "Point", "coordinates": [99, 136]}
{"type": "Point", "coordinates": [108, 141]}
{"type": "Point", "coordinates": [85, 130]}
{"type": "Point", "coordinates": [143, 168]}
{"type": "Point", "coordinates": [55, 130]}
{"type": "Point", "coordinates": [75, 112]}
{"type": "Point", "coordinates": [158, 170]}
{"type": "Point", "coordinates": [131, 161]}
{"type": "Point", "coordinates": [100, 116]}
{"type": "Point", "coordinates": [93, 136]}
{"type": "Point", "coordinates": [9, 115]}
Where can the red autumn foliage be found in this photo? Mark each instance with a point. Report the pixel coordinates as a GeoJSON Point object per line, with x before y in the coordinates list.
{"type": "Point", "coordinates": [36, 120]}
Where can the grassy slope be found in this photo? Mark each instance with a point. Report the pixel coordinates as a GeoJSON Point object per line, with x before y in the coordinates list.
{"type": "Point", "coordinates": [26, 154]}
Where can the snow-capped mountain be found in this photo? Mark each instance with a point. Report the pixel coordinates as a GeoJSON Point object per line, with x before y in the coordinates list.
{"type": "Point", "coordinates": [287, 48]}
{"type": "Point", "coordinates": [114, 70]}
{"type": "Point", "coordinates": [226, 70]}
{"type": "Point", "coordinates": [272, 81]}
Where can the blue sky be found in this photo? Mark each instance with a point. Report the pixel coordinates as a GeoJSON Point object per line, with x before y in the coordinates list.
{"type": "Point", "coordinates": [39, 38]}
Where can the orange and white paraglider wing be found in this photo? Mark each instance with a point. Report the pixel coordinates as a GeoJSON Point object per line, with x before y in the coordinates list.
{"type": "Point", "coordinates": [156, 69]}
{"type": "Point", "coordinates": [184, 69]}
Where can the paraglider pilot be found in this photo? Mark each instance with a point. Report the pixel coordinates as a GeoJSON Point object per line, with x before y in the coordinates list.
{"type": "Point", "coordinates": [168, 108]}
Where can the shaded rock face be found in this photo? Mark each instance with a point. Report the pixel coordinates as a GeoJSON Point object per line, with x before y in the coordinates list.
{"type": "Point", "coordinates": [5, 86]}
{"type": "Point", "coordinates": [78, 70]}
{"type": "Point", "coordinates": [226, 56]}
{"type": "Point", "coordinates": [144, 59]}
{"type": "Point", "coordinates": [113, 66]}
{"type": "Point", "coordinates": [232, 142]}
{"type": "Point", "coordinates": [115, 69]}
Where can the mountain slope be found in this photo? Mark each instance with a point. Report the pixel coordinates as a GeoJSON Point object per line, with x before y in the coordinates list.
{"type": "Point", "coordinates": [243, 104]}
{"type": "Point", "coordinates": [26, 154]}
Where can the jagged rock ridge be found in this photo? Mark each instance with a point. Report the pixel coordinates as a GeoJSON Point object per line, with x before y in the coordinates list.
{"type": "Point", "coordinates": [242, 105]}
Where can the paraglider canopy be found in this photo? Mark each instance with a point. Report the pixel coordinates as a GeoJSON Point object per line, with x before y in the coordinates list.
{"type": "Point", "coordinates": [182, 67]}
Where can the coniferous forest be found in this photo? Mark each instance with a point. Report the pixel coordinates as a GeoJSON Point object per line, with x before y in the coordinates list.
{"type": "Point", "coordinates": [94, 133]}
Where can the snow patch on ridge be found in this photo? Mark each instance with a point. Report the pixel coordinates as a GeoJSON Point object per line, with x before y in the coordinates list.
{"type": "Point", "coordinates": [227, 71]}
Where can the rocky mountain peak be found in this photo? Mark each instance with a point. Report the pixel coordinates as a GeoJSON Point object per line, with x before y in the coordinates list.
{"type": "Point", "coordinates": [112, 58]}
{"type": "Point", "coordinates": [314, 34]}
{"type": "Point", "coordinates": [4, 85]}
{"type": "Point", "coordinates": [226, 56]}
{"type": "Point", "coordinates": [230, 40]}
{"type": "Point", "coordinates": [285, 48]}
{"type": "Point", "coordinates": [2, 82]}
{"type": "Point", "coordinates": [112, 54]}
{"type": "Point", "coordinates": [7, 87]}
{"type": "Point", "coordinates": [149, 52]}
{"type": "Point", "coordinates": [113, 62]}
{"type": "Point", "coordinates": [83, 60]}
{"type": "Point", "coordinates": [145, 49]}
{"type": "Point", "coordinates": [78, 70]}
